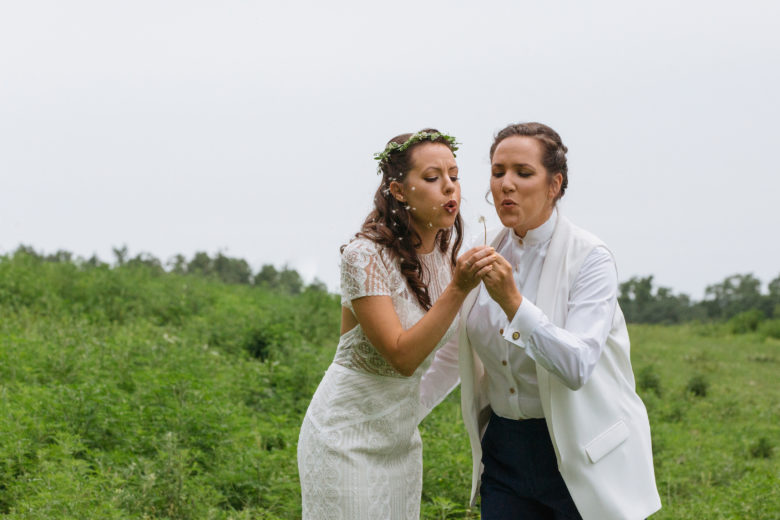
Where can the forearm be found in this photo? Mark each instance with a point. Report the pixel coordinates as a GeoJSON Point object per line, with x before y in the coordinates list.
{"type": "Point", "coordinates": [415, 344]}
{"type": "Point", "coordinates": [570, 355]}
{"type": "Point", "coordinates": [572, 350]}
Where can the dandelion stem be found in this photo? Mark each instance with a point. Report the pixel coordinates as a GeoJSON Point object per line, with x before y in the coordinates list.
{"type": "Point", "coordinates": [484, 226]}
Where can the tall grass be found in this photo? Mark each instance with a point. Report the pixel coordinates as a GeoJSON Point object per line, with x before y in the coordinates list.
{"type": "Point", "coordinates": [132, 393]}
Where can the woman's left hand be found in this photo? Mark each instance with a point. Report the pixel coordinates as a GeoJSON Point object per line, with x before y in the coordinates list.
{"type": "Point", "coordinates": [500, 284]}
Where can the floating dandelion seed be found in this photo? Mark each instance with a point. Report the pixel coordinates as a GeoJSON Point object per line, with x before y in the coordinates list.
{"type": "Point", "coordinates": [413, 188]}
{"type": "Point", "coordinates": [430, 225]}
{"type": "Point", "coordinates": [407, 208]}
{"type": "Point", "coordinates": [414, 209]}
{"type": "Point", "coordinates": [484, 226]}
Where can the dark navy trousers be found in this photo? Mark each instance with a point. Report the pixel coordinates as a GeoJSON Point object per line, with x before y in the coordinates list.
{"type": "Point", "coordinates": [521, 477]}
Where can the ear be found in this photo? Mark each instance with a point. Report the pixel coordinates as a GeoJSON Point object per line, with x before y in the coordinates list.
{"type": "Point", "coordinates": [397, 191]}
{"type": "Point", "coordinates": [555, 186]}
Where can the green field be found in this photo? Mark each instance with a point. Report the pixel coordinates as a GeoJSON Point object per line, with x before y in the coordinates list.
{"type": "Point", "coordinates": [133, 393]}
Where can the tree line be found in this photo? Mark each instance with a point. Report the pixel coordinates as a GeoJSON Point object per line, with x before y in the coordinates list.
{"type": "Point", "coordinates": [738, 296]}
{"type": "Point", "coordinates": [219, 266]}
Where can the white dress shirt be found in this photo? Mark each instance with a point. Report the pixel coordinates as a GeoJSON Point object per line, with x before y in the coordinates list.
{"type": "Point", "coordinates": [509, 350]}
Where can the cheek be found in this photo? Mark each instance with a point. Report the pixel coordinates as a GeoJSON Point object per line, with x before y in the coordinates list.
{"type": "Point", "coordinates": [495, 188]}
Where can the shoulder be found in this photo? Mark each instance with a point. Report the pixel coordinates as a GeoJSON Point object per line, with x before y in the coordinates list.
{"type": "Point", "coordinates": [360, 245]}
{"type": "Point", "coordinates": [594, 253]}
{"type": "Point", "coordinates": [579, 237]}
{"type": "Point", "coordinates": [362, 251]}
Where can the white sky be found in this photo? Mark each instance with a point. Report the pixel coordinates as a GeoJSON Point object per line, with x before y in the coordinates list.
{"type": "Point", "coordinates": [249, 127]}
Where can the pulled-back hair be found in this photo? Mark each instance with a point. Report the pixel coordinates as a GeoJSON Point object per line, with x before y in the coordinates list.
{"type": "Point", "coordinates": [553, 149]}
{"type": "Point", "coordinates": [390, 222]}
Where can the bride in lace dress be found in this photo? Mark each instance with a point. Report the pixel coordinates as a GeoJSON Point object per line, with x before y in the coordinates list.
{"type": "Point", "coordinates": [359, 450]}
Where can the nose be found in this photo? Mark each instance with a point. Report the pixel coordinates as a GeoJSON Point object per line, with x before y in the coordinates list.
{"type": "Point", "coordinates": [448, 186]}
{"type": "Point", "coordinates": [507, 185]}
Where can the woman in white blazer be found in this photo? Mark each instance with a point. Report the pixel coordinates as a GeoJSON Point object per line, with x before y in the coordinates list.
{"type": "Point", "coordinates": [548, 395]}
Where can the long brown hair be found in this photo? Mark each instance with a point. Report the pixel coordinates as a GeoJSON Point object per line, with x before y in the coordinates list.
{"type": "Point", "coordinates": [390, 222]}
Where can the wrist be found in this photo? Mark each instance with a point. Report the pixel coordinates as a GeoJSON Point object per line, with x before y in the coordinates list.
{"type": "Point", "coordinates": [510, 305]}
{"type": "Point", "coordinates": [458, 291]}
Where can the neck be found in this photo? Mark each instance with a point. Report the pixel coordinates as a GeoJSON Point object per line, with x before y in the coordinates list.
{"type": "Point", "coordinates": [427, 239]}
{"type": "Point", "coordinates": [522, 229]}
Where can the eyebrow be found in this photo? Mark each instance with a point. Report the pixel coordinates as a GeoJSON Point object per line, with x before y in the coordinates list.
{"type": "Point", "coordinates": [436, 168]}
{"type": "Point", "coordinates": [516, 165]}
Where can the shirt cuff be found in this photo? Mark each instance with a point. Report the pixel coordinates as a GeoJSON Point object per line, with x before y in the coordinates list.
{"type": "Point", "coordinates": [525, 321]}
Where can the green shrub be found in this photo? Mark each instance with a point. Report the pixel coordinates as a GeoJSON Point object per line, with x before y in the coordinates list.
{"type": "Point", "coordinates": [762, 449]}
{"type": "Point", "coordinates": [770, 328]}
{"type": "Point", "coordinates": [697, 386]}
{"type": "Point", "coordinates": [648, 380]}
{"type": "Point", "coordinates": [747, 321]}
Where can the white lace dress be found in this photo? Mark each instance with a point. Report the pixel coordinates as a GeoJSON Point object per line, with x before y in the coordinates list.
{"type": "Point", "coordinates": [359, 450]}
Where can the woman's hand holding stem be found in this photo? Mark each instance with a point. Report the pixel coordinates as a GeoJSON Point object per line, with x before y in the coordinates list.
{"type": "Point", "coordinates": [500, 284]}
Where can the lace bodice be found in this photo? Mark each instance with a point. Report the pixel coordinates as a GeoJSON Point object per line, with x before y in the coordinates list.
{"type": "Point", "coordinates": [368, 269]}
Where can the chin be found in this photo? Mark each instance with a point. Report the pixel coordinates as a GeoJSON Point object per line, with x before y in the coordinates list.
{"type": "Point", "coordinates": [509, 221]}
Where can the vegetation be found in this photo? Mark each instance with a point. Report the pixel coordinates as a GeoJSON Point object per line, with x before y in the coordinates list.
{"type": "Point", "coordinates": [135, 392]}
{"type": "Point", "coordinates": [739, 294]}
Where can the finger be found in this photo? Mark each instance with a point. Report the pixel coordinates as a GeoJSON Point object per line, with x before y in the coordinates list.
{"type": "Point", "coordinates": [483, 252]}
{"type": "Point", "coordinates": [485, 272]}
{"type": "Point", "coordinates": [479, 264]}
{"type": "Point", "coordinates": [471, 252]}
{"type": "Point", "coordinates": [502, 259]}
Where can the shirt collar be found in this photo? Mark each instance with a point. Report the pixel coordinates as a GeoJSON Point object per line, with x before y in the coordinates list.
{"type": "Point", "coordinates": [540, 234]}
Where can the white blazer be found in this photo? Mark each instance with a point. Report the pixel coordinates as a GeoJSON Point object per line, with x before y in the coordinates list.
{"type": "Point", "coordinates": [600, 432]}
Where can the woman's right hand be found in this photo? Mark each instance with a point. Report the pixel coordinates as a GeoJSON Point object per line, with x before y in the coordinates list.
{"type": "Point", "coordinates": [472, 266]}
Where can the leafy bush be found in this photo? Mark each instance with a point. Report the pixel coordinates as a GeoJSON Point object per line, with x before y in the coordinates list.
{"type": "Point", "coordinates": [770, 328]}
{"type": "Point", "coordinates": [697, 386]}
{"type": "Point", "coordinates": [747, 321]}
{"type": "Point", "coordinates": [761, 449]}
{"type": "Point", "coordinates": [648, 380]}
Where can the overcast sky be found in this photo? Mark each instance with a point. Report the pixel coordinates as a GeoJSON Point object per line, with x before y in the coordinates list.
{"type": "Point", "coordinates": [249, 127]}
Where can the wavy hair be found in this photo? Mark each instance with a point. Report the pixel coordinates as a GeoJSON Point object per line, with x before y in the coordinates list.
{"type": "Point", "coordinates": [390, 222]}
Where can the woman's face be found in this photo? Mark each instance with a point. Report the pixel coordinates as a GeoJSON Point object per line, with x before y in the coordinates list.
{"type": "Point", "coordinates": [522, 192]}
{"type": "Point", "coordinates": [431, 188]}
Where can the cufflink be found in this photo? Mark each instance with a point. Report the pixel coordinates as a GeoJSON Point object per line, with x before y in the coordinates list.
{"type": "Point", "coordinates": [515, 335]}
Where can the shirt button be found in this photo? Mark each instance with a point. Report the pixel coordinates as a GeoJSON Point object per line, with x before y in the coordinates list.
{"type": "Point", "coordinates": [511, 390]}
{"type": "Point", "coordinates": [500, 331]}
{"type": "Point", "coordinates": [503, 362]}
{"type": "Point", "coordinates": [515, 335]}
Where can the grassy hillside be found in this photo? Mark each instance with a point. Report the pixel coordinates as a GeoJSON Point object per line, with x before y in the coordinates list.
{"type": "Point", "coordinates": [131, 393]}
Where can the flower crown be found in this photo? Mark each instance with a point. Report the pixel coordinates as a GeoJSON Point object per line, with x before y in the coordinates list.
{"type": "Point", "coordinates": [393, 147]}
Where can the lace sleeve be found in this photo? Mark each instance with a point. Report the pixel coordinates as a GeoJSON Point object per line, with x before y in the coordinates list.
{"type": "Point", "coordinates": [363, 272]}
